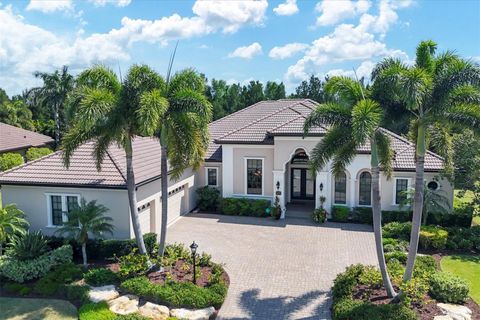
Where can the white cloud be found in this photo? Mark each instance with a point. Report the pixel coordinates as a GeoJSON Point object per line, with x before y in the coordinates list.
{"type": "Point", "coordinates": [387, 16]}
{"type": "Point", "coordinates": [363, 71]}
{"type": "Point", "coordinates": [286, 9]}
{"type": "Point", "coordinates": [49, 6]}
{"type": "Point", "coordinates": [333, 11]}
{"type": "Point", "coordinates": [247, 52]}
{"type": "Point", "coordinates": [118, 3]}
{"type": "Point", "coordinates": [287, 50]}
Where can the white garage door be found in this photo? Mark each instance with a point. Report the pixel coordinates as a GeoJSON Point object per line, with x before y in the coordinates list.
{"type": "Point", "coordinates": [176, 203]}
{"type": "Point", "coordinates": [144, 218]}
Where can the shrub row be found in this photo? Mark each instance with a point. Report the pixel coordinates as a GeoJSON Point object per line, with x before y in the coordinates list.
{"type": "Point", "coordinates": [175, 294]}
{"type": "Point", "coordinates": [104, 249]}
{"type": "Point", "coordinates": [209, 199]}
{"type": "Point", "coordinates": [20, 271]}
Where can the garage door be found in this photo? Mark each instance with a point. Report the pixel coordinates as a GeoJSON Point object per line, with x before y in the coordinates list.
{"type": "Point", "coordinates": [176, 203]}
{"type": "Point", "coordinates": [145, 218]}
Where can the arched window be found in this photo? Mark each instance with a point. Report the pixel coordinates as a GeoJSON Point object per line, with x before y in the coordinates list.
{"type": "Point", "coordinates": [341, 188]}
{"type": "Point", "coordinates": [365, 189]}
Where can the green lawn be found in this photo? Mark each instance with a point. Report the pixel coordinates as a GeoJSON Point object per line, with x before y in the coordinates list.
{"type": "Point", "coordinates": [36, 309]}
{"type": "Point", "coordinates": [467, 267]}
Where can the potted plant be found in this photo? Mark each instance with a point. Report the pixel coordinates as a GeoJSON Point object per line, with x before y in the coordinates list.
{"type": "Point", "coordinates": [319, 215]}
{"type": "Point", "coordinates": [276, 211]}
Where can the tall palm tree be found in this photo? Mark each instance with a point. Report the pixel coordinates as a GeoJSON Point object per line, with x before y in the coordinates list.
{"type": "Point", "coordinates": [439, 91]}
{"type": "Point", "coordinates": [12, 222]}
{"type": "Point", "coordinates": [53, 94]}
{"type": "Point", "coordinates": [88, 218]}
{"type": "Point", "coordinates": [353, 121]}
{"type": "Point", "coordinates": [106, 111]}
{"type": "Point", "coordinates": [182, 113]}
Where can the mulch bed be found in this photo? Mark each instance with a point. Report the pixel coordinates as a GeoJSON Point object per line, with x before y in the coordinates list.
{"type": "Point", "coordinates": [427, 311]}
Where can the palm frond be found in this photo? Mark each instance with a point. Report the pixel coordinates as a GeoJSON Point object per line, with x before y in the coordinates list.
{"type": "Point", "coordinates": [425, 55]}
{"type": "Point", "coordinates": [347, 90]}
{"type": "Point", "coordinates": [330, 114]}
{"type": "Point", "coordinates": [385, 152]}
{"type": "Point", "coordinates": [366, 117]}
{"type": "Point", "coordinates": [326, 149]}
{"type": "Point", "coordinates": [152, 108]}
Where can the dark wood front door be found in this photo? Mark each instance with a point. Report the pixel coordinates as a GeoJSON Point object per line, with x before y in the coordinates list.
{"type": "Point", "coordinates": [302, 184]}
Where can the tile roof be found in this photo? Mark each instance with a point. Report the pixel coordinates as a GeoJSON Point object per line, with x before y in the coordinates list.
{"type": "Point", "coordinates": [14, 138]}
{"type": "Point", "coordinates": [50, 170]}
{"type": "Point", "coordinates": [259, 123]}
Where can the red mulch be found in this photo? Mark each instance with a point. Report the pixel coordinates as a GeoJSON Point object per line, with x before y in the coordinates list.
{"type": "Point", "coordinates": [427, 311]}
{"type": "Point", "coordinates": [183, 272]}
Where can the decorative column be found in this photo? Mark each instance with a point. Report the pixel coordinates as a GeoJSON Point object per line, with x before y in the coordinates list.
{"type": "Point", "coordinates": [353, 183]}
{"type": "Point", "coordinates": [321, 185]}
{"type": "Point", "coordinates": [279, 189]}
{"type": "Point", "coordinates": [227, 171]}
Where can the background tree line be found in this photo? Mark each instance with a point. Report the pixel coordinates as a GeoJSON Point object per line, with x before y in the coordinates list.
{"type": "Point", "coordinates": [45, 109]}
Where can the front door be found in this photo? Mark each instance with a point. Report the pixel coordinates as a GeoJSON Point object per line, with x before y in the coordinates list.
{"type": "Point", "coordinates": [302, 184]}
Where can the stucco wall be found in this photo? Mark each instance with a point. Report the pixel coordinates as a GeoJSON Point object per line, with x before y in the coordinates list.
{"type": "Point", "coordinates": [239, 172]}
{"type": "Point", "coordinates": [33, 201]}
{"type": "Point", "coordinates": [285, 148]}
{"type": "Point", "coordinates": [201, 174]}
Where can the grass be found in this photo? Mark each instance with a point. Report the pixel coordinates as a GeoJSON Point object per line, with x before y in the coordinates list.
{"type": "Point", "coordinates": [36, 309]}
{"type": "Point", "coordinates": [467, 267]}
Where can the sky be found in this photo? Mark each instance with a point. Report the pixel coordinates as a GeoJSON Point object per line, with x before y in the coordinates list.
{"type": "Point", "coordinates": [237, 41]}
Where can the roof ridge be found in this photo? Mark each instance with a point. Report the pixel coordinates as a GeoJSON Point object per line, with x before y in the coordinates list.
{"type": "Point", "coordinates": [25, 164]}
{"type": "Point", "coordinates": [114, 161]}
{"type": "Point", "coordinates": [285, 123]}
{"type": "Point", "coordinates": [257, 120]}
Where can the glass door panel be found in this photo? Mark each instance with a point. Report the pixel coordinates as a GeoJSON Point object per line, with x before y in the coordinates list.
{"type": "Point", "coordinates": [296, 183]}
{"type": "Point", "coordinates": [310, 185]}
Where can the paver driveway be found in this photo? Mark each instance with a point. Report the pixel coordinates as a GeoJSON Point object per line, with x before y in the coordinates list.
{"type": "Point", "coordinates": [278, 269]}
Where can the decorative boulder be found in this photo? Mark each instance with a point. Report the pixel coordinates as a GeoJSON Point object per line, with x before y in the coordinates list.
{"type": "Point", "coordinates": [442, 318]}
{"type": "Point", "coordinates": [104, 293]}
{"type": "Point", "coordinates": [200, 314]}
{"type": "Point", "coordinates": [124, 305]}
{"type": "Point", "coordinates": [455, 311]}
{"type": "Point", "coordinates": [154, 311]}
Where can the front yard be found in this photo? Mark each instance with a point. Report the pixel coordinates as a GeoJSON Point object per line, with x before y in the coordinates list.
{"type": "Point", "coordinates": [466, 267]}
{"type": "Point", "coordinates": [36, 309]}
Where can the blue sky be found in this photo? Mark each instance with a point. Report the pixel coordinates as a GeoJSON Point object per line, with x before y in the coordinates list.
{"type": "Point", "coordinates": [236, 41]}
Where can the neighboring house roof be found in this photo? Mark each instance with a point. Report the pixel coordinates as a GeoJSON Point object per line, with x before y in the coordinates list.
{"type": "Point", "coordinates": [13, 138]}
{"type": "Point", "coordinates": [259, 123]}
{"type": "Point", "coordinates": [50, 170]}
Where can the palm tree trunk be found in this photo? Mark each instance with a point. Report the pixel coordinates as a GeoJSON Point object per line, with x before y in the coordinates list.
{"type": "Point", "coordinates": [377, 219]}
{"type": "Point", "coordinates": [132, 199]}
{"type": "Point", "coordinates": [164, 181]}
{"type": "Point", "coordinates": [417, 218]}
{"type": "Point", "coordinates": [84, 254]}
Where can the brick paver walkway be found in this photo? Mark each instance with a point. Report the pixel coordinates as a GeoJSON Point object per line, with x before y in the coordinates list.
{"type": "Point", "coordinates": [278, 269]}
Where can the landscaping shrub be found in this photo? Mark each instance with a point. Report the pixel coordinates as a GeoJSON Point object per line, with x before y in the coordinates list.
{"type": "Point", "coordinates": [131, 316]}
{"type": "Point", "coordinates": [447, 287]}
{"type": "Point", "coordinates": [346, 281]}
{"type": "Point", "coordinates": [55, 279]}
{"type": "Point", "coordinates": [396, 216]}
{"type": "Point", "coordinates": [390, 244]}
{"type": "Point", "coordinates": [10, 160]}
{"type": "Point", "coordinates": [414, 291]}
{"type": "Point", "coordinates": [175, 252]}
{"type": "Point", "coordinates": [174, 294]}
{"type": "Point", "coordinates": [464, 239]}
{"type": "Point", "coordinates": [432, 237]}
{"type": "Point", "coordinates": [132, 264]}
{"type": "Point", "coordinates": [340, 213]}
{"type": "Point", "coordinates": [75, 292]}
{"type": "Point", "coordinates": [396, 256]}
{"type": "Point", "coordinates": [18, 288]}
{"type": "Point", "coordinates": [371, 277]}
{"type": "Point", "coordinates": [397, 230]}
{"type": "Point", "coordinates": [35, 153]}
{"type": "Point", "coordinates": [28, 246]}
{"type": "Point", "coordinates": [368, 311]}
{"type": "Point", "coordinates": [363, 215]}
{"type": "Point", "coordinates": [245, 207]}
{"type": "Point", "coordinates": [20, 271]}
{"type": "Point", "coordinates": [208, 198]}
{"type": "Point", "coordinates": [319, 215]}
{"type": "Point", "coordinates": [343, 309]}
{"type": "Point", "coordinates": [425, 264]}
{"type": "Point", "coordinates": [95, 311]}
{"type": "Point", "coordinates": [100, 277]}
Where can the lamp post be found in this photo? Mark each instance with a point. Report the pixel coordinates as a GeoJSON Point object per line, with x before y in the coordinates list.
{"type": "Point", "coordinates": [193, 249]}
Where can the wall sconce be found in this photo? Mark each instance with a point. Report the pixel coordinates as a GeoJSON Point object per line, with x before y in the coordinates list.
{"type": "Point", "coordinates": [321, 186]}
{"type": "Point", "coordinates": [278, 185]}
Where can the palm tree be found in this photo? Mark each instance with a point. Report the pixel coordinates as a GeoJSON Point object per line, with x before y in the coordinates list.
{"type": "Point", "coordinates": [353, 121]}
{"type": "Point", "coordinates": [12, 222]}
{"type": "Point", "coordinates": [53, 94]}
{"type": "Point", "coordinates": [88, 218]}
{"type": "Point", "coordinates": [434, 201]}
{"type": "Point", "coordinates": [182, 113]}
{"type": "Point", "coordinates": [439, 91]}
{"type": "Point", "coordinates": [106, 111]}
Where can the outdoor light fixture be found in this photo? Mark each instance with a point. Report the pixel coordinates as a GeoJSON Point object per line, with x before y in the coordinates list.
{"type": "Point", "coordinates": [278, 185]}
{"type": "Point", "coordinates": [321, 186]}
{"type": "Point", "coordinates": [193, 248]}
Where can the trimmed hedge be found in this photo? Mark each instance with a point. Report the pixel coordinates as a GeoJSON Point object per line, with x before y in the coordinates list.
{"type": "Point", "coordinates": [433, 237]}
{"type": "Point", "coordinates": [340, 213]}
{"type": "Point", "coordinates": [20, 271]}
{"type": "Point", "coordinates": [175, 294]}
{"type": "Point", "coordinates": [447, 287]}
{"type": "Point", "coordinates": [104, 249]}
{"type": "Point", "coordinates": [245, 207]}
{"type": "Point", "coordinates": [208, 199]}
{"type": "Point", "coordinates": [100, 277]}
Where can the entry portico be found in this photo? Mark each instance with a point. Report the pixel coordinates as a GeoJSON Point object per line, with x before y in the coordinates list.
{"type": "Point", "coordinates": [264, 155]}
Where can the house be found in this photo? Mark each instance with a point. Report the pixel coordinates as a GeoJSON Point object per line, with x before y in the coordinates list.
{"type": "Point", "coordinates": [14, 139]}
{"type": "Point", "coordinates": [258, 152]}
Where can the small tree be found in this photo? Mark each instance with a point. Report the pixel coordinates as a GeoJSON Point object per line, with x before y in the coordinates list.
{"type": "Point", "coordinates": [86, 219]}
{"type": "Point", "coordinates": [12, 222]}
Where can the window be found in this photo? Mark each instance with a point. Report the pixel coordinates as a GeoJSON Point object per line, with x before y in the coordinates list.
{"type": "Point", "coordinates": [212, 174]}
{"type": "Point", "coordinates": [58, 206]}
{"type": "Point", "coordinates": [341, 188]}
{"type": "Point", "coordinates": [254, 176]}
{"type": "Point", "coordinates": [365, 189]}
{"type": "Point", "coordinates": [401, 187]}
